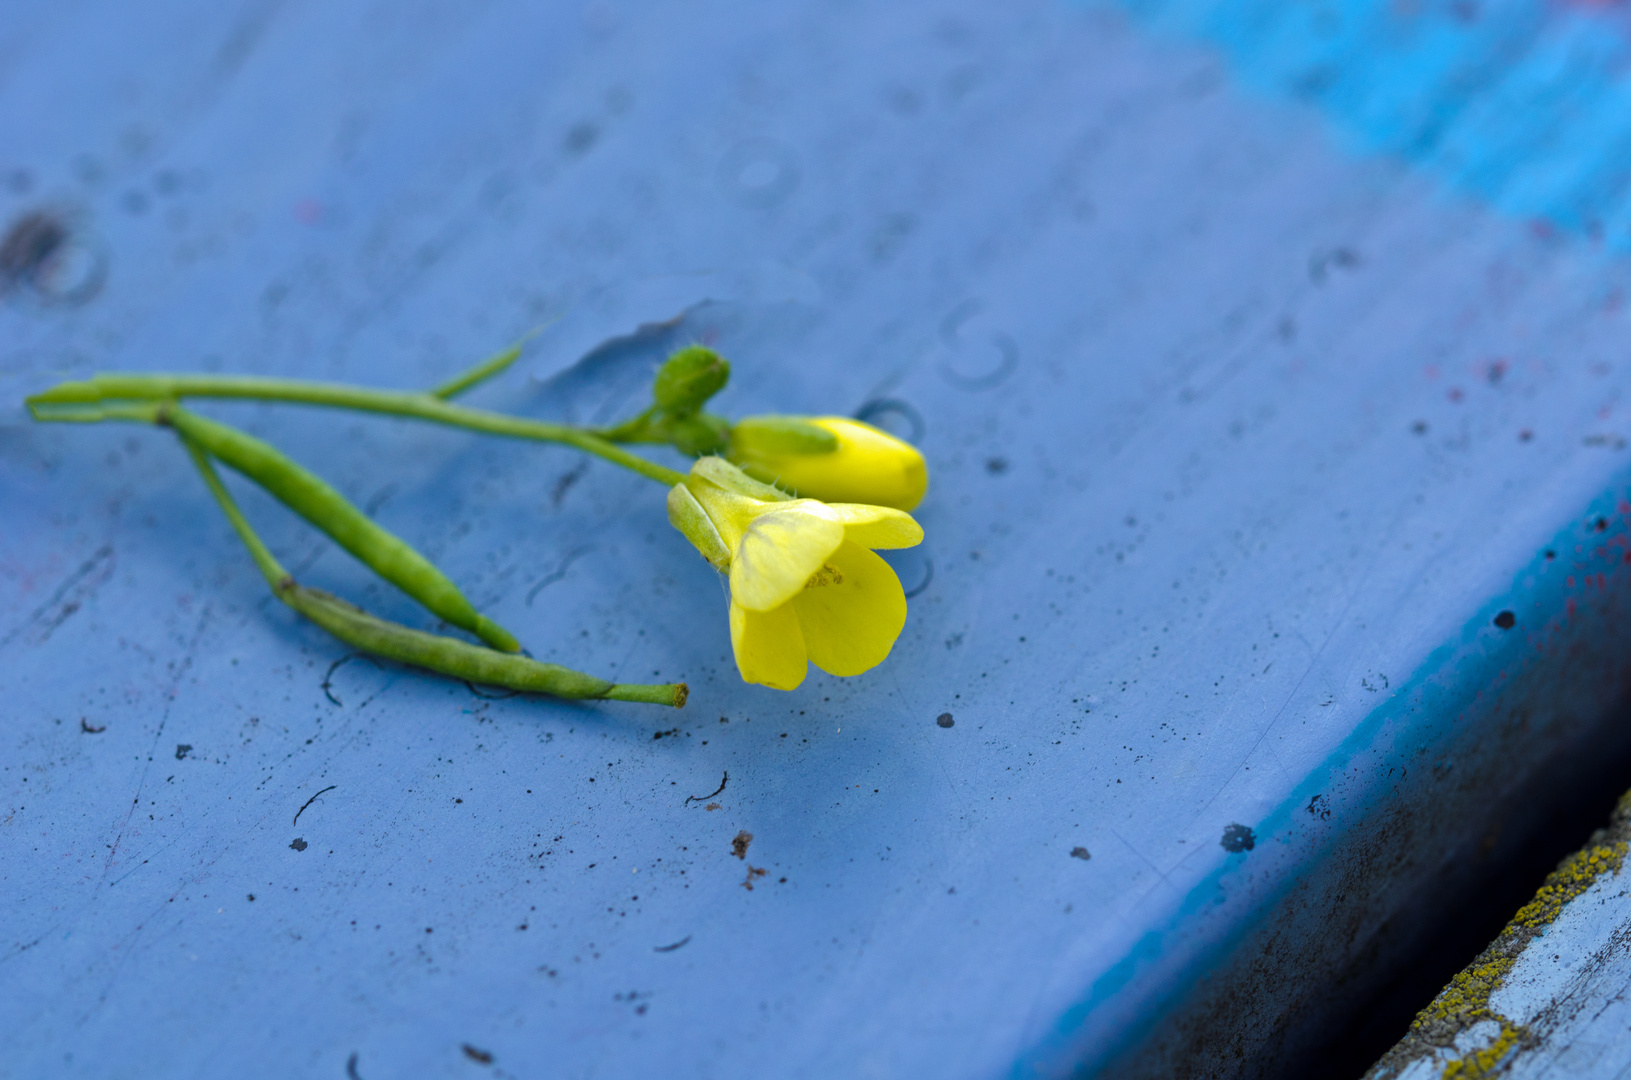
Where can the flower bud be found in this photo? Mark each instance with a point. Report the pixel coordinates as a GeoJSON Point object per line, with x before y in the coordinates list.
{"type": "Point", "coordinates": [699, 434]}
{"type": "Point", "coordinates": [688, 379]}
{"type": "Point", "coordinates": [831, 458]}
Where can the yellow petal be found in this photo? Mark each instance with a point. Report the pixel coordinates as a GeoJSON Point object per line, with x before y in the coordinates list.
{"type": "Point", "coordinates": [777, 554]}
{"type": "Point", "coordinates": [849, 626]}
{"type": "Point", "coordinates": [769, 646]}
{"type": "Point", "coordinates": [877, 526]}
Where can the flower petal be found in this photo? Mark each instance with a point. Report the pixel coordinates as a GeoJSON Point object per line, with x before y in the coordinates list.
{"type": "Point", "coordinates": [778, 553]}
{"type": "Point", "coordinates": [877, 526]}
{"type": "Point", "coordinates": [769, 646]}
{"type": "Point", "coordinates": [849, 626]}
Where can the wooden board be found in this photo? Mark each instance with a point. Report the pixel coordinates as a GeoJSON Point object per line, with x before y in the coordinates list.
{"type": "Point", "coordinates": [1243, 437]}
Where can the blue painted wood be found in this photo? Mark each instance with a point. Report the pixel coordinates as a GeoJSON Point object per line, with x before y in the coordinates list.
{"type": "Point", "coordinates": [1241, 445]}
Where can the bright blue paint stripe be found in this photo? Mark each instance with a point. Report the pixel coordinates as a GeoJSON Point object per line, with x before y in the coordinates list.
{"type": "Point", "coordinates": [1423, 714]}
{"type": "Point", "coordinates": [1526, 106]}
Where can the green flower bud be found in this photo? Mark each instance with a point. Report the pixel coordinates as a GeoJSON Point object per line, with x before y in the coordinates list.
{"type": "Point", "coordinates": [688, 379]}
{"type": "Point", "coordinates": [831, 458]}
{"type": "Point", "coordinates": [700, 434]}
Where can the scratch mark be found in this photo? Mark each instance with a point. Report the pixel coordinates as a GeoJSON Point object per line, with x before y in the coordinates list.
{"type": "Point", "coordinates": [490, 697]}
{"type": "Point", "coordinates": [20, 949]}
{"type": "Point", "coordinates": [558, 573]}
{"type": "Point", "coordinates": [181, 671]}
{"type": "Point", "coordinates": [378, 499]}
{"type": "Point", "coordinates": [723, 780]}
{"type": "Point", "coordinates": [1313, 664]}
{"type": "Point", "coordinates": [1162, 874]}
{"type": "Point", "coordinates": [69, 597]}
{"type": "Point", "coordinates": [564, 484]}
{"type": "Point", "coordinates": [328, 677]}
{"type": "Point", "coordinates": [309, 801]}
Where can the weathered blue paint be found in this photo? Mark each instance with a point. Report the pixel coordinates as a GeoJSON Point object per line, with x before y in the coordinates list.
{"type": "Point", "coordinates": [1426, 712]}
{"type": "Point", "coordinates": [1522, 105]}
{"type": "Point", "coordinates": [1231, 431]}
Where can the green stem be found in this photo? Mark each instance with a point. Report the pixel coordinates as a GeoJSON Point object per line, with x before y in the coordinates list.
{"type": "Point", "coordinates": [270, 568]}
{"type": "Point", "coordinates": [447, 656]}
{"type": "Point", "coordinates": [302, 491]}
{"type": "Point", "coordinates": [480, 373]}
{"type": "Point", "coordinates": [72, 401]}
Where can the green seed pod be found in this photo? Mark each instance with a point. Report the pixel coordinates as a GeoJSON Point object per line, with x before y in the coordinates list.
{"type": "Point", "coordinates": [317, 502]}
{"type": "Point", "coordinates": [447, 656]}
{"type": "Point", "coordinates": [462, 660]}
{"type": "Point", "coordinates": [688, 379]}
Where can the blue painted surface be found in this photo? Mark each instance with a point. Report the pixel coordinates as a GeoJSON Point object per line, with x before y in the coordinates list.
{"type": "Point", "coordinates": [1226, 425]}
{"type": "Point", "coordinates": [1521, 104]}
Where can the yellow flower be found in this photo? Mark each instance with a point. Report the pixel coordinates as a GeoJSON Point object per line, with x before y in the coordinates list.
{"type": "Point", "coordinates": [830, 458]}
{"type": "Point", "coordinates": [805, 584]}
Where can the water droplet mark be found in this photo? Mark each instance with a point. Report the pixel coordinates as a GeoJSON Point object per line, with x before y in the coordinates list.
{"type": "Point", "coordinates": [47, 255]}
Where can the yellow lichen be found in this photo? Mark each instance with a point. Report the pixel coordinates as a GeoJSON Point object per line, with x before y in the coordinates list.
{"type": "Point", "coordinates": [1569, 881]}
{"type": "Point", "coordinates": [1465, 1001]}
{"type": "Point", "coordinates": [1479, 1063]}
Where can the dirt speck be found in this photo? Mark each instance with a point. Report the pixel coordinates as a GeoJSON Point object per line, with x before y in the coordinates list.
{"type": "Point", "coordinates": [299, 844]}
{"type": "Point", "coordinates": [1080, 852]}
{"type": "Point", "coordinates": [89, 730]}
{"type": "Point", "coordinates": [481, 1056]}
{"type": "Point", "coordinates": [1506, 620]}
{"type": "Point", "coordinates": [711, 806]}
{"type": "Point", "coordinates": [739, 846]}
{"type": "Point", "coordinates": [182, 750]}
{"type": "Point", "coordinates": [945, 720]}
{"type": "Point", "coordinates": [753, 872]}
{"type": "Point", "coordinates": [1238, 838]}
